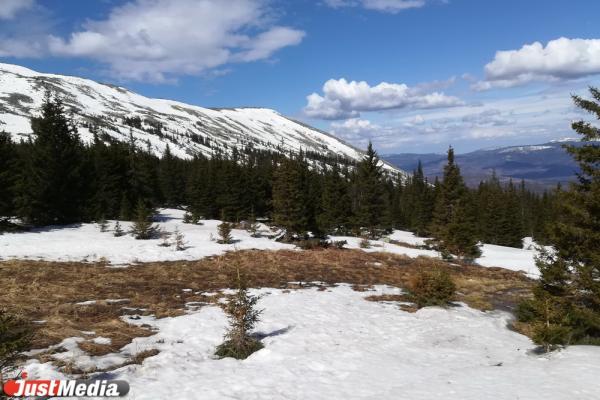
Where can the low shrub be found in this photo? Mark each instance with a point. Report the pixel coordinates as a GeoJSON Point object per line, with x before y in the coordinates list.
{"type": "Point", "coordinates": [432, 288]}
{"type": "Point", "coordinates": [339, 244]}
{"type": "Point", "coordinates": [312, 244]}
{"type": "Point", "coordinates": [15, 337]}
{"type": "Point", "coordinates": [225, 233]}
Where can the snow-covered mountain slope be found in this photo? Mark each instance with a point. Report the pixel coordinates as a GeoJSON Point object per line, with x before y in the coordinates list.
{"type": "Point", "coordinates": [188, 129]}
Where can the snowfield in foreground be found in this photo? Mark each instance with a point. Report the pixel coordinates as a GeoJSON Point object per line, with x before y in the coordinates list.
{"type": "Point", "coordinates": [333, 344]}
{"type": "Point", "coordinates": [85, 242]}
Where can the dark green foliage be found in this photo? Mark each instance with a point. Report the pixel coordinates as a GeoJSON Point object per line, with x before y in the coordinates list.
{"type": "Point", "coordinates": [142, 174]}
{"type": "Point", "coordinates": [432, 288]}
{"type": "Point", "coordinates": [126, 209]}
{"type": "Point", "coordinates": [369, 206]}
{"type": "Point", "coordinates": [143, 227]}
{"type": "Point", "coordinates": [566, 305]}
{"type": "Point", "coordinates": [191, 218]}
{"type": "Point", "coordinates": [8, 171]}
{"type": "Point", "coordinates": [224, 230]}
{"type": "Point", "coordinates": [103, 224]}
{"type": "Point", "coordinates": [335, 203]}
{"type": "Point", "coordinates": [364, 243]}
{"type": "Point", "coordinates": [289, 198]}
{"type": "Point", "coordinates": [501, 213]}
{"type": "Point", "coordinates": [412, 203]}
{"type": "Point", "coordinates": [108, 181]}
{"type": "Point", "coordinates": [51, 183]}
{"type": "Point", "coordinates": [252, 225]}
{"type": "Point", "coordinates": [15, 337]}
{"type": "Point", "coordinates": [313, 244]}
{"type": "Point", "coordinates": [305, 192]}
{"type": "Point", "coordinates": [117, 230]}
{"type": "Point", "coordinates": [171, 179]}
{"type": "Point", "coordinates": [339, 244]}
{"type": "Point", "coordinates": [454, 224]}
{"type": "Point", "coordinates": [460, 234]}
{"type": "Point", "coordinates": [243, 316]}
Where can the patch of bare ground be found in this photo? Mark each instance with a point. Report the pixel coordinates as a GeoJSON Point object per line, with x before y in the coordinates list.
{"type": "Point", "coordinates": [51, 291]}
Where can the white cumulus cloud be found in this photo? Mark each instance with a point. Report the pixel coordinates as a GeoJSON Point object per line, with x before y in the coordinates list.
{"type": "Point", "coordinates": [362, 131]}
{"type": "Point", "coordinates": [158, 40]}
{"type": "Point", "coordinates": [560, 59]}
{"type": "Point", "coordinates": [343, 99]}
{"type": "Point", "coordinates": [388, 6]}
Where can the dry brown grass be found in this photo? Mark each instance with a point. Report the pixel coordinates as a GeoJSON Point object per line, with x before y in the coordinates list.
{"type": "Point", "coordinates": [49, 291]}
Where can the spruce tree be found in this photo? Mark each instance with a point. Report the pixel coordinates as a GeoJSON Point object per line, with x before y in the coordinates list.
{"type": "Point", "coordinates": [51, 184]}
{"type": "Point", "coordinates": [125, 210]}
{"type": "Point", "coordinates": [453, 226]}
{"type": "Point", "coordinates": [461, 231]}
{"type": "Point", "coordinates": [289, 198]}
{"type": "Point", "coordinates": [335, 202]}
{"type": "Point", "coordinates": [420, 202]}
{"type": "Point", "coordinates": [170, 179]}
{"type": "Point", "coordinates": [15, 338]}
{"type": "Point", "coordinates": [566, 307]}
{"type": "Point", "coordinates": [253, 225]}
{"type": "Point", "coordinates": [102, 224]}
{"type": "Point", "coordinates": [180, 243]}
{"type": "Point", "coordinates": [224, 230]}
{"type": "Point", "coordinates": [142, 176]}
{"type": "Point", "coordinates": [108, 180]}
{"type": "Point", "coordinates": [510, 223]}
{"type": "Point", "coordinates": [243, 316]}
{"type": "Point", "coordinates": [369, 206]}
{"type": "Point", "coordinates": [8, 160]}
{"type": "Point", "coordinates": [490, 207]}
{"type": "Point", "coordinates": [117, 230]}
{"type": "Point", "coordinates": [143, 228]}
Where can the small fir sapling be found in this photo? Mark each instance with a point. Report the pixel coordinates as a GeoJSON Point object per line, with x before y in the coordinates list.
{"type": "Point", "coordinates": [243, 315]}
{"type": "Point", "coordinates": [15, 337]}
{"type": "Point", "coordinates": [225, 233]}
{"type": "Point", "coordinates": [143, 228]}
{"type": "Point", "coordinates": [117, 230]}
{"type": "Point", "coordinates": [180, 243]}
{"type": "Point", "coordinates": [103, 224]}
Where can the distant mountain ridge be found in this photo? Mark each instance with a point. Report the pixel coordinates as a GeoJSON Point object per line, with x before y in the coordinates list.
{"type": "Point", "coordinates": [541, 166]}
{"type": "Point", "coordinates": [189, 130]}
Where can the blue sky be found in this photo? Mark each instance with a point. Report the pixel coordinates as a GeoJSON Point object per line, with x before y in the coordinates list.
{"type": "Point", "coordinates": [410, 75]}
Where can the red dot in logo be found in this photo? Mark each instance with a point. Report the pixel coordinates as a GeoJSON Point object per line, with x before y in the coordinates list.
{"type": "Point", "coordinates": [11, 388]}
{"type": "Point", "coordinates": [24, 375]}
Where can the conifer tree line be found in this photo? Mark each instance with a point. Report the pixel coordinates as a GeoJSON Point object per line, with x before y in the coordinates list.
{"type": "Point", "coordinates": [54, 178]}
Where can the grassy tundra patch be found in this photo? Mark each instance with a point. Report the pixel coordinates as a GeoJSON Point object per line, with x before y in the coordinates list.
{"type": "Point", "coordinates": [68, 298]}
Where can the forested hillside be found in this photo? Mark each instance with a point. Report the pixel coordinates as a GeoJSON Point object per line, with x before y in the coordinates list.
{"type": "Point", "coordinates": [56, 178]}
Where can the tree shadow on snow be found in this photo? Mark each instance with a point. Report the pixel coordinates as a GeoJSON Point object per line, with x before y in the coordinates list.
{"type": "Point", "coordinates": [164, 218]}
{"type": "Point", "coordinates": [262, 335]}
{"type": "Point", "coordinates": [49, 228]}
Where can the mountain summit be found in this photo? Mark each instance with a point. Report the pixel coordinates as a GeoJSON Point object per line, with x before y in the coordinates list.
{"type": "Point", "coordinates": [155, 123]}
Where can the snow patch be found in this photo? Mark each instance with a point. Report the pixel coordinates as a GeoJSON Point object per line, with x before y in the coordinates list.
{"type": "Point", "coordinates": [335, 345]}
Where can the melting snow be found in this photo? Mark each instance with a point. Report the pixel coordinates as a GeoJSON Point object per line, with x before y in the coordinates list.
{"type": "Point", "coordinates": [335, 345]}
{"type": "Point", "coordinates": [85, 242]}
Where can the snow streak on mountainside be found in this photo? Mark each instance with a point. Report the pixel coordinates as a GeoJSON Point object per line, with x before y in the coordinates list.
{"type": "Point", "coordinates": [189, 130]}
